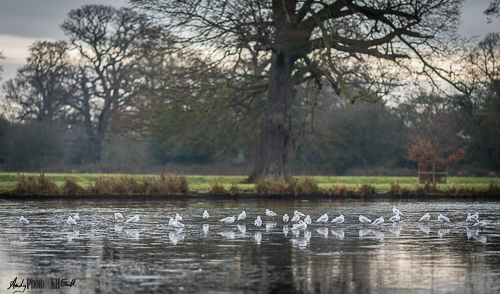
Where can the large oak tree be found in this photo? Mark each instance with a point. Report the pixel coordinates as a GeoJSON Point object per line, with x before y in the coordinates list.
{"type": "Point", "coordinates": [295, 42]}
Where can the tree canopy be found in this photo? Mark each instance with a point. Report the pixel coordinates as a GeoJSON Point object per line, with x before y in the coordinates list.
{"type": "Point", "coordinates": [292, 43]}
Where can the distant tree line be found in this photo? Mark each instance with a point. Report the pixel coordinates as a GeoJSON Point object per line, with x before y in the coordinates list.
{"type": "Point", "coordinates": [124, 89]}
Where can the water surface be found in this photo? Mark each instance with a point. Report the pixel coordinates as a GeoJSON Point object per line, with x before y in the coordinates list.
{"type": "Point", "coordinates": [210, 257]}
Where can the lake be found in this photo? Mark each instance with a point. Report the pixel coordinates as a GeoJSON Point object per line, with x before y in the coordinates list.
{"type": "Point", "coordinates": [102, 256]}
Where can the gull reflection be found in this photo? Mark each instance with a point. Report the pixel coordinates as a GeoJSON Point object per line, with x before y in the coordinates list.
{"type": "Point", "coordinates": [228, 234]}
{"type": "Point", "coordinates": [175, 238]}
{"type": "Point", "coordinates": [364, 232]}
{"type": "Point", "coordinates": [296, 233]}
{"type": "Point", "coordinates": [442, 232]}
{"type": "Point", "coordinates": [242, 229]}
{"type": "Point", "coordinates": [425, 229]}
{"type": "Point", "coordinates": [300, 242]}
{"type": "Point", "coordinates": [481, 238]}
{"type": "Point", "coordinates": [270, 226]}
{"type": "Point", "coordinates": [118, 228]}
{"type": "Point", "coordinates": [378, 234]}
{"type": "Point", "coordinates": [323, 231]}
{"type": "Point", "coordinates": [134, 233]}
{"type": "Point", "coordinates": [339, 233]}
{"type": "Point", "coordinates": [307, 235]}
{"type": "Point", "coordinates": [206, 227]}
{"type": "Point", "coordinates": [285, 230]}
{"type": "Point", "coordinates": [472, 232]}
{"type": "Point", "coordinates": [23, 236]}
{"type": "Point", "coordinates": [258, 237]}
{"type": "Point", "coordinates": [72, 235]}
{"type": "Point", "coordinates": [396, 231]}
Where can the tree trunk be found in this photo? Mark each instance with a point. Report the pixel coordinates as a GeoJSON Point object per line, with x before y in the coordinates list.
{"type": "Point", "coordinates": [276, 150]}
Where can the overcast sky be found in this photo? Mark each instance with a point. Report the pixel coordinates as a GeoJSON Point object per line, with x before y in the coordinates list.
{"type": "Point", "coordinates": [23, 22]}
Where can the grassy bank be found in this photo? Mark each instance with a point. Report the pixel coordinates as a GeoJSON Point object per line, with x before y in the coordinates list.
{"type": "Point", "coordinates": [146, 184]}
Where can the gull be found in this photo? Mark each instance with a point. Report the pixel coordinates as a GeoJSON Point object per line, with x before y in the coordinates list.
{"type": "Point", "coordinates": [258, 222]}
{"type": "Point", "coordinates": [443, 218]}
{"type": "Point", "coordinates": [170, 221]}
{"type": "Point", "coordinates": [205, 215]}
{"type": "Point", "coordinates": [295, 218]}
{"type": "Point", "coordinates": [300, 226]}
{"type": "Point", "coordinates": [177, 225]}
{"type": "Point", "coordinates": [242, 216]}
{"type": "Point", "coordinates": [475, 217]}
{"type": "Point", "coordinates": [228, 220]}
{"type": "Point", "coordinates": [395, 218]}
{"type": "Point", "coordinates": [300, 214]}
{"type": "Point", "coordinates": [71, 222]}
{"type": "Point", "coordinates": [285, 218]}
{"type": "Point", "coordinates": [480, 225]}
{"type": "Point", "coordinates": [339, 233]}
{"type": "Point", "coordinates": [133, 220]}
{"type": "Point", "coordinates": [425, 218]}
{"type": "Point", "coordinates": [339, 219]}
{"type": "Point", "coordinates": [270, 213]}
{"type": "Point", "coordinates": [23, 221]}
{"type": "Point", "coordinates": [396, 211]}
{"type": "Point", "coordinates": [118, 216]}
{"type": "Point", "coordinates": [322, 219]}
{"type": "Point", "coordinates": [308, 220]}
{"type": "Point", "coordinates": [76, 217]}
{"type": "Point", "coordinates": [364, 220]}
{"type": "Point", "coordinates": [178, 217]}
{"type": "Point", "coordinates": [471, 218]}
{"type": "Point", "coordinates": [379, 221]}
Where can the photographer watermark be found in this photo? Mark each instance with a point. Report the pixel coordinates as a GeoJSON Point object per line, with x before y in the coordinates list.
{"type": "Point", "coordinates": [48, 283]}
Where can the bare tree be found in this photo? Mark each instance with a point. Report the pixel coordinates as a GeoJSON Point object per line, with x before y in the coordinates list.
{"type": "Point", "coordinates": [110, 41]}
{"type": "Point", "coordinates": [41, 88]}
{"type": "Point", "coordinates": [303, 41]}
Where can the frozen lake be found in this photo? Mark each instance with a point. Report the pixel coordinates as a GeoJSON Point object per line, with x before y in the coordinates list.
{"type": "Point", "coordinates": [210, 257]}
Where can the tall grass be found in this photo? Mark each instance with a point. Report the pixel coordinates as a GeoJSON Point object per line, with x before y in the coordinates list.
{"type": "Point", "coordinates": [164, 184]}
{"type": "Point", "coordinates": [39, 185]}
{"type": "Point", "coordinates": [278, 186]}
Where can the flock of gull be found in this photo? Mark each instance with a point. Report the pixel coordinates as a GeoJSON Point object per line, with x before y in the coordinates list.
{"type": "Point", "coordinates": [299, 223]}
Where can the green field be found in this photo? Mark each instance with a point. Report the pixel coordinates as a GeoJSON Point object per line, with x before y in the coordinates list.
{"type": "Point", "coordinates": [203, 183]}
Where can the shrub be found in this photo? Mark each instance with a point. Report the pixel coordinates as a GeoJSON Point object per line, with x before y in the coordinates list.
{"type": "Point", "coordinates": [364, 190]}
{"type": "Point", "coordinates": [70, 187]}
{"type": "Point", "coordinates": [39, 185]}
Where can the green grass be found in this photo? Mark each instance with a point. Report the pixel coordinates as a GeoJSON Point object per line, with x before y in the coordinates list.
{"type": "Point", "coordinates": [204, 183]}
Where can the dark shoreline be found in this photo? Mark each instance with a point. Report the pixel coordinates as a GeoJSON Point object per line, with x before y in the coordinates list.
{"type": "Point", "coordinates": [239, 196]}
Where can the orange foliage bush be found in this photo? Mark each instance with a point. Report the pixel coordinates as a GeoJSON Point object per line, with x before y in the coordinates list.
{"type": "Point", "coordinates": [423, 151]}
